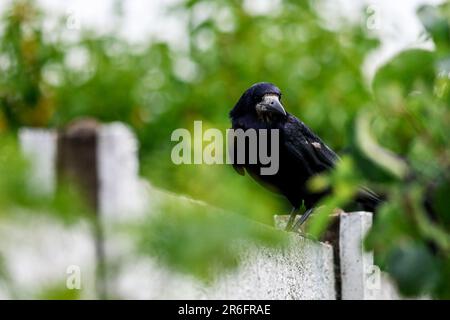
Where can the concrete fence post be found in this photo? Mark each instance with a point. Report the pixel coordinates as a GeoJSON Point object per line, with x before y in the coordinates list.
{"type": "Point", "coordinates": [304, 270]}
{"type": "Point", "coordinates": [361, 278]}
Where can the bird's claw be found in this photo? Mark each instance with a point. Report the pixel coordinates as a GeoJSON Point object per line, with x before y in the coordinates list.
{"type": "Point", "coordinates": [302, 219]}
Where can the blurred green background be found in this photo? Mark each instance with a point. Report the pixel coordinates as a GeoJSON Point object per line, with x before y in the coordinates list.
{"type": "Point", "coordinates": [393, 132]}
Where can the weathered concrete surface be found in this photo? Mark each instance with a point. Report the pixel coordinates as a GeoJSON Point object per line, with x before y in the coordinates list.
{"type": "Point", "coordinates": [303, 270]}
{"type": "Point", "coordinates": [360, 278]}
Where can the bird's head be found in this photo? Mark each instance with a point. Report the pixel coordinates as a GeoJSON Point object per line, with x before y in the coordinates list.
{"type": "Point", "coordinates": [262, 100]}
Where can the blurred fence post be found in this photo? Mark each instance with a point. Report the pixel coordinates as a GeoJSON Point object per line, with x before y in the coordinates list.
{"type": "Point", "coordinates": [77, 158]}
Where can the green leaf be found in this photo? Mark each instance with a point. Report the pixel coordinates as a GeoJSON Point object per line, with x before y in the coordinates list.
{"type": "Point", "coordinates": [382, 158]}
{"type": "Point", "coordinates": [414, 269]}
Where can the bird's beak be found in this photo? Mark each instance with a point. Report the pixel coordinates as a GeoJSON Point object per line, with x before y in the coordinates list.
{"type": "Point", "coordinates": [272, 104]}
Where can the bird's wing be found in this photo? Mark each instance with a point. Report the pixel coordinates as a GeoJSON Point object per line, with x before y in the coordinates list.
{"type": "Point", "coordinates": [316, 156]}
{"type": "Point", "coordinates": [306, 147]}
{"type": "Point", "coordinates": [368, 198]}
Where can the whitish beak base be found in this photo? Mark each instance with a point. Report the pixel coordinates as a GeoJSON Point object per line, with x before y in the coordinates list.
{"type": "Point", "coordinates": [271, 103]}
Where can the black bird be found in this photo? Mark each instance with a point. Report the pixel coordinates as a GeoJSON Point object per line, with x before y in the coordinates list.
{"type": "Point", "coordinates": [302, 154]}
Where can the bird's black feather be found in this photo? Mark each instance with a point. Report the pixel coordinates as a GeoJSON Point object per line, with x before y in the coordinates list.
{"type": "Point", "coordinates": [302, 154]}
{"type": "Point", "coordinates": [306, 146]}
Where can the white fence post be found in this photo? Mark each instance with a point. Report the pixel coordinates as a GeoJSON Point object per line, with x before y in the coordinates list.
{"type": "Point", "coordinates": [40, 146]}
{"type": "Point", "coordinates": [303, 270]}
{"type": "Point", "coordinates": [356, 264]}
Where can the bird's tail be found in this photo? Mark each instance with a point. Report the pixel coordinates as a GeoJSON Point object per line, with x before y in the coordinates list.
{"type": "Point", "coordinates": [368, 199]}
